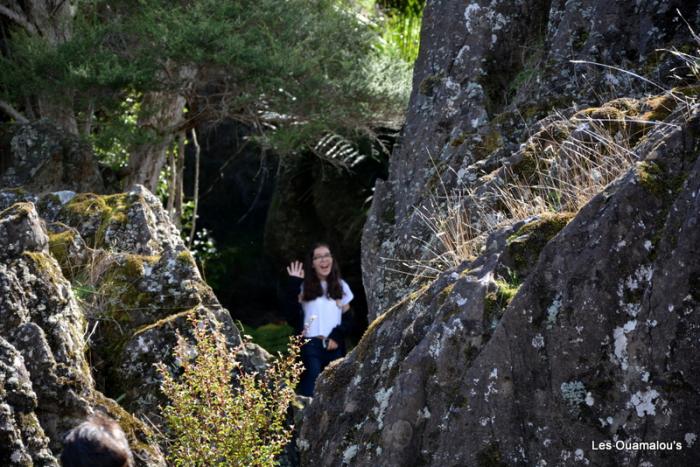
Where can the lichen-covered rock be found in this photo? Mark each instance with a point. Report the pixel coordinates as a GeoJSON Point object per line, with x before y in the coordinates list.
{"type": "Point", "coordinates": [22, 439]}
{"type": "Point", "coordinates": [133, 222]}
{"type": "Point", "coordinates": [43, 322]}
{"type": "Point", "coordinates": [136, 279]}
{"type": "Point", "coordinates": [487, 72]}
{"type": "Point", "coordinates": [41, 158]}
{"type": "Point", "coordinates": [596, 346]}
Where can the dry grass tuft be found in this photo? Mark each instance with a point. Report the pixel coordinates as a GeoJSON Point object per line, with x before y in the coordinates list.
{"type": "Point", "coordinates": [559, 170]}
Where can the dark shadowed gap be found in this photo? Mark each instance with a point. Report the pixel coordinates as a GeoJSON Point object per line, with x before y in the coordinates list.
{"type": "Point", "coordinates": [263, 211]}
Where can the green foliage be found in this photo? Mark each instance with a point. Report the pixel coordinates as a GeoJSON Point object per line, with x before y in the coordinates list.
{"type": "Point", "coordinates": [84, 292]}
{"type": "Point", "coordinates": [401, 33]}
{"type": "Point", "coordinates": [111, 143]}
{"type": "Point", "coordinates": [303, 66]}
{"type": "Point", "coordinates": [220, 415]}
{"type": "Point", "coordinates": [272, 337]}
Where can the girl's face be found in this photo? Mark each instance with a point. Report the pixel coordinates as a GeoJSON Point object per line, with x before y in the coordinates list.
{"type": "Point", "coordinates": [322, 262]}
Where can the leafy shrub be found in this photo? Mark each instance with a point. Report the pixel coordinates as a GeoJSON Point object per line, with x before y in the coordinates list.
{"type": "Point", "coordinates": [218, 414]}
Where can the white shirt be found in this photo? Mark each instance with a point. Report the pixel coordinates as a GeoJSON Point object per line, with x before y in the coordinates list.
{"type": "Point", "coordinates": [322, 314]}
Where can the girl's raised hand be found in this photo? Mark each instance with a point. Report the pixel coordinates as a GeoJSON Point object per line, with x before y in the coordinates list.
{"type": "Point", "coordinates": [296, 269]}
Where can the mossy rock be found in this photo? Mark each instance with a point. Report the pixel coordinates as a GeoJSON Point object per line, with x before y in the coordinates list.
{"type": "Point", "coordinates": [610, 118]}
{"type": "Point", "coordinates": [491, 141]}
{"type": "Point", "coordinates": [497, 300]}
{"type": "Point", "coordinates": [657, 108]}
{"type": "Point", "coordinates": [654, 178]}
{"type": "Point", "coordinates": [629, 106]}
{"type": "Point", "coordinates": [44, 264]}
{"type": "Point", "coordinates": [528, 164]}
{"type": "Point", "coordinates": [93, 214]}
{"type": "Point", "coordinates": [524, 246]}
{"type": "Point", "coordinates": [68, 248]}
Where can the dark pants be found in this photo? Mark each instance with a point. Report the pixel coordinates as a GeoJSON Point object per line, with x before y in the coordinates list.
{"type": "Point", "coordinates": [315, 359]}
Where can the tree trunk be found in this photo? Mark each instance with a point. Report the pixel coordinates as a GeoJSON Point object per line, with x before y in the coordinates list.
{"type": "Point", "coordinates": [163, 113]}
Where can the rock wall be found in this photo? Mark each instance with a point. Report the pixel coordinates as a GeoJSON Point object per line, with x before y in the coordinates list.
{"type": "Point", "coordinates": [486, 73]}
{"type": "Point", "coordinates": [94, 289]}
{"type": "Point", "coordinates": [568, 331]}
{"type": "Point", "coordinates": [48, 386]}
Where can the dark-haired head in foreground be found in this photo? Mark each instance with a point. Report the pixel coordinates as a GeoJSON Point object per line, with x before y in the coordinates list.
{"type": "Point", "coordinates": [97, 442]}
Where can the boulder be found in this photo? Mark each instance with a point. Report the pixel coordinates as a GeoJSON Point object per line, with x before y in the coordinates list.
{"type": "Point", "coordinates": [486, 74]}
{"type": "Point", "coordinates": [43, 328]}
{"type": "Point", "coordinates": [95, 290]}
{"type": "Point", "coordinates": [593, 347]}
{"type": "Point", "coordinates": [42, 158]}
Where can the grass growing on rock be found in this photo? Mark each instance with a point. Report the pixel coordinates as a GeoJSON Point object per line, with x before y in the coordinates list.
{"type": "Point", "coordinates": [560, 168]}
{"type": "Point", "coordinates": [99, 211]}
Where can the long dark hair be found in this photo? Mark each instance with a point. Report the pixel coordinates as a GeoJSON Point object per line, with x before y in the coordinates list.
{"type": "Point", "coordinates": [312, 284]}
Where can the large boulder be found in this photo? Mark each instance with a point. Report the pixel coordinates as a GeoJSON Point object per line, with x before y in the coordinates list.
{"type": "Point", "coordinates": [48, 385]}
{"type": "Point", "coordinates": [593, 349]}
{"type": "Point", "coordinates": [95, 290]}
{"type": "Point", "coordinates": [41, 158]}
{"type": "Point", "coordinates": [487, 72]}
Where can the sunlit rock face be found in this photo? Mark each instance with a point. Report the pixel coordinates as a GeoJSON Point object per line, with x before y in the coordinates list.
{"type": "Point", "coordinates": [487, 72]}
{"type": "Point", "coordinates": [595, 346]}
{"type": "Point", "coordinates": [568, 332]}
{"type": "Point", "coordinates": [94, 290]}
{"type": "Point", "coordinates": [48, 384]}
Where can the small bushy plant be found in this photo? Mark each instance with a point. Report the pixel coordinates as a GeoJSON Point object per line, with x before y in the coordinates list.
{"type": "Point", "coordinates": [221, 415]}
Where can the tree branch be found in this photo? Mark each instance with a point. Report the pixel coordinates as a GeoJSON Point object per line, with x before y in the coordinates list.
{"type": "Point", "coordinates": [19, 19]}
{"type": "Point", "coordinates": [12, 112]}
{"type": "Point", "coordinates": [196, 187]}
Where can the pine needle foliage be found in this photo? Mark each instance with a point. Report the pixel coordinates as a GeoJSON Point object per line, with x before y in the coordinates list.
{"type": "Point", "coordinates": [295, 68]}
{"type": "Point", "coordinates": [221, 415]}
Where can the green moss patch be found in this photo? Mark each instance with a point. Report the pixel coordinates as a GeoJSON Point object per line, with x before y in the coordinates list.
{"type": "Point", "coordinates": [99, 211]}
{"type": "Point", "coordinates": [525, 245]}
{"type": "Point", "coordinates": [60, 248]}
{"type": "Point", "coordinates": [497, 300]}
{"type": "Point", "coordinates": [44, 264]}
{"type": "Point", "coordinates": [273, 337]}
{"type": "Point", "coordinates": [653, 177]}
